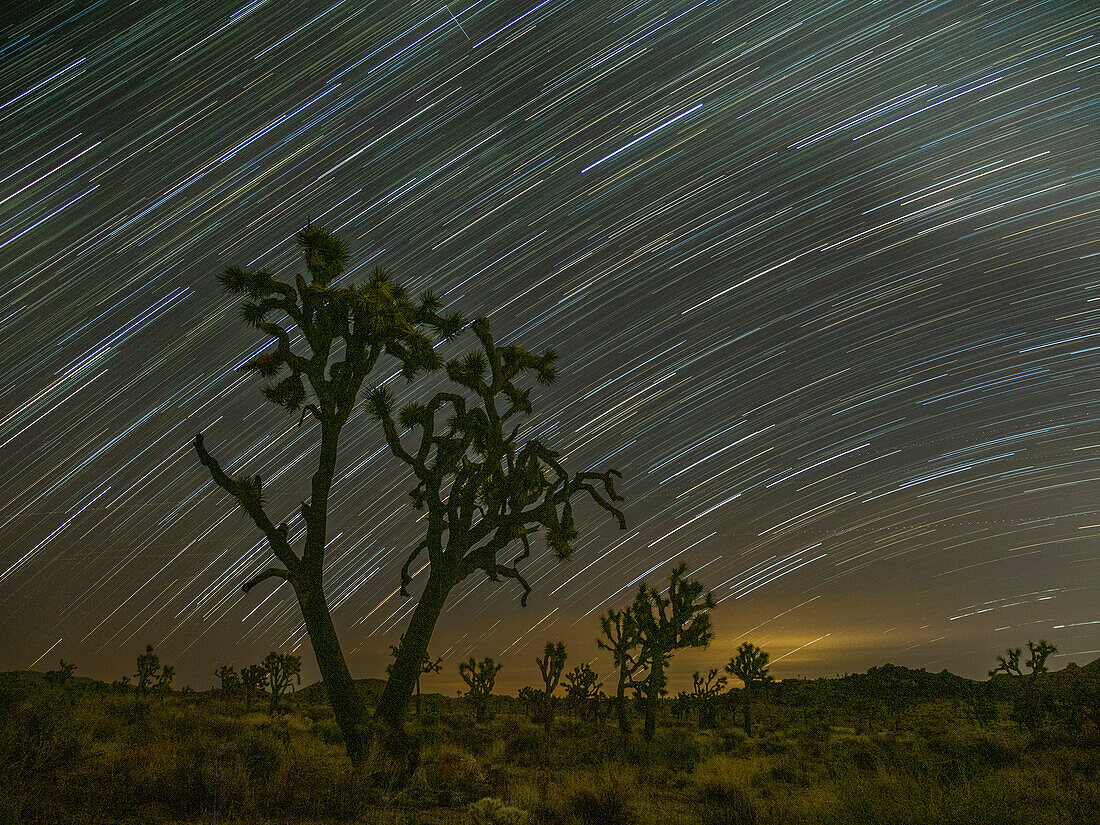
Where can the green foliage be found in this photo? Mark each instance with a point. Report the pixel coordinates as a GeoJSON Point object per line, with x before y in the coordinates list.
{"type": "Point", "coordinates": [608, 799]}
{"type": "Point", "coordinates": [492, 811]}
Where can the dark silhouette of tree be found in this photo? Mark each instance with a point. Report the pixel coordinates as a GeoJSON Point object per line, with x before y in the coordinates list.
{"type": "Point", "coordinates": [164, 680]}
{"type": "Point", "coordinates": [479, 678]}
{"type": "Point", "coordinates": [582, 688]}
{"type": "Point", "coordinates": [482, 491]}
{"type": "Point", "coordinates": [427, 665]}
{"type": "Point", "coordinates": [62, 675]}
{"type": "Point", "coordinates": [230, 681]}
{"type": "Point", "coordinates": [704, 691]}
{"type": "Point", "coordinates": [1009, 663]}
{"type": "Point", "coordinates": [346, 330]}
{"type": "Point", "coordinates": [750, 665]}
{"type": "Point", "coordinates": [665, 624]}
{"type": "Point", "coordinates": [623, 642]}
{"type": "Point", "coordinates": [551, 665]}
{"type": "Point", "coordinates": [280, 669]}
{"type": "Point", "coordinates": [1039, 654]}
{"type": "Point", "coordinates": [253, 680]}
{"type": "Point", "coordinates": [148, 668]}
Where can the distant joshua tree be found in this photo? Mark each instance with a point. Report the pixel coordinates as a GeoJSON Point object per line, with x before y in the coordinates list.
{"type": "Point", "coordinates": [582, 687]}
{"type": "Point", "coordinates": [664, 625]}
{"type": "Point", "coordinates": [62, 676]}
{"type": "Point", "coordinates": [482, 491]}
{"type": "Point", "coordinates": [427, 665]}
{"type": "Point", "coordinates": [479, 678]}
{"type": "Point", "coordinates": [164, 680]}
{"type": "Point", "coordinates": [551, 665]}
{"type": "Point", "coordinates": [705, 690]}
{"type": "Point", "coordinates": [280, 669]}
{"type": "Point", "coordinates": [148, 669]}
{"type": "Point", "coordinates": [750, 665]}
{"type": "Point", "coordinates": [253, 680]}
{"type": "Point", "coordinates": [1009, 663]}
{"type": "Point", "coordinates": [622, 640]}
{"type": "Point", "coordinates": [1039, 654]}
{"type": "Point", "coordinates": [230, 681]}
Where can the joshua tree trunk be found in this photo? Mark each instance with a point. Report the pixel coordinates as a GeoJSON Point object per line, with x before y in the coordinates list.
{"type": "Point", "coordinates": [418, 697]}
{"type": "Point", "coordinates": [653, 690]}
{"type": "Point", "coordinates": [347, 704]}
{"type": "Point", "coordinates": [548, 715]}
{"type": "Point", "coordinates": [390, 713]}
{"type": "Point", "coordinates": [748, 711]}
{"type": "Point", "coordinates": [620, 706]}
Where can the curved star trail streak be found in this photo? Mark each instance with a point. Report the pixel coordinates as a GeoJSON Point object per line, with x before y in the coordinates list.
{"type": "Point", "coordinates": [823, 275]}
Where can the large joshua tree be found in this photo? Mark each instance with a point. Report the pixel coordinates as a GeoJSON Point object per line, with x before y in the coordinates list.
{"type": "Point", "coordinates": [340, 332]}
{"type": "Point", "coordinates": [483, 491]}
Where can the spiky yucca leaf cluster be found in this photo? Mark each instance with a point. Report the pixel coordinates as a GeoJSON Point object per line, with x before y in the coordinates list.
{"type": "Point", "coordinates": [367, 318]}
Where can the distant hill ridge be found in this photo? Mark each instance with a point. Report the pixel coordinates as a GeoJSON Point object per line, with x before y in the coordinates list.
{"type": "Point", "coordinates": [372, 687]}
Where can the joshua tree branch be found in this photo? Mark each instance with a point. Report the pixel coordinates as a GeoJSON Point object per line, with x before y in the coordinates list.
{"type": "Point", "coordinates": [250, 502]}
{"type": "Point", "coordinates": [269, 573]}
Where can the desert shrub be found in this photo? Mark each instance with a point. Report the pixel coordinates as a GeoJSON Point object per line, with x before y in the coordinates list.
{"type": "Point", "coordinates": [311, 785]}
{"type": "Point", "coordinates": [492, 811]}
{"type": "Point", "coordinates": [678, 748]}
{"type": "Point", "coordinates": [328, 731]}
{"type": "Point", "coordinates": [734, 741]}
{"type": "Point", "coordinates": [721, 787]}
{"type": "Point", "coordinates": [524, 747]}
{"type": "Point", "coordinates": [259, 751]}
{"type": "Point", "coordinates": [606, 799]}
{"type": "Point", "coordinates": [788, 768]}
{"type": "Point", "coordinates": [454, 776]}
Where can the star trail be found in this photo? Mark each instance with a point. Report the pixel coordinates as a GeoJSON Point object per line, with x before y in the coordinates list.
{"type": "Point", "coordinates": [823, 277]}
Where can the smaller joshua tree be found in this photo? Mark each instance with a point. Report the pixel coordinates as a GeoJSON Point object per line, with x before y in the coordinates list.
{"type": "Point", "coordinates": [280, 669]}
{"type": "Point", "coordinates": [624, 644]}
{"type": "Point", "coordinates": [750, 665]}
{"type": "Point", "coordinates": [665, 624]}
{"type": "Point", "coordinates": [229, 679]}
{"type": "Point", "coordinates": [705, 691]}
{"type": "Point", "coordinates": [164, 680]}
{"type": "Point", "coordinates": [1009, 663]}
{"type": "Point", "coordinates": [479, 678]}
{"type": "Point", "coordinates": [551, 665]}
{"type": "Point", "coordinates": [253, 680]}
{"type": "Point", "coordinates": [427, 665]}
{"type": "Point", "coordinates": [148, 668]}
{"type": "Point", "coordinates": [62, 676]}
{"type": "Point", "coordinates": [1039, 654]}
{"type": "Point", "coordinates": [582, 687]}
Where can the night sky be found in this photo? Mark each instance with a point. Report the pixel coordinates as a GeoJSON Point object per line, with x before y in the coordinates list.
{"type": "Point", "coordinates": [824, 278]}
